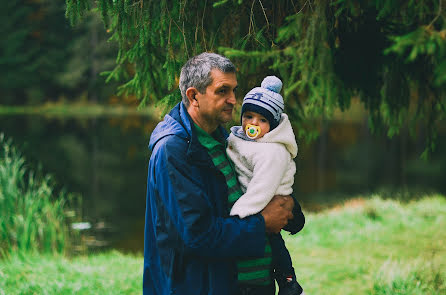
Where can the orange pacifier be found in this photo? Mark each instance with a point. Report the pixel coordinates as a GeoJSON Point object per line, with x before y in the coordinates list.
{"type": "Point", "coordinates": [252, 131]}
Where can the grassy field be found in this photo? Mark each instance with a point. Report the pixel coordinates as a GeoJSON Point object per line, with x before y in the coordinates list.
{"type": "Point", "coordinates": [365, 246]}
{"type": "Point", "coordinates": [109, 273]}
{"type": "Point", "coordinates": [374, 246]}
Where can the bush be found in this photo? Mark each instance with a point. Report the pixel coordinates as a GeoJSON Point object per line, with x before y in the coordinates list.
{"type": "Point", "coordinates": [31, 215]}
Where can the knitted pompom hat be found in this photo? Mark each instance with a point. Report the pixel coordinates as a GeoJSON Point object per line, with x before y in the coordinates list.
{"type": "Point", "coordinates": [266, 100]}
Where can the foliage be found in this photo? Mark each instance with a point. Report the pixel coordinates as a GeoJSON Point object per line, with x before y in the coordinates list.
{"type": "Point", "coordinates": [43, 58]}
{"type": "Point", "coordinates": [31, 218]}
{"type": "Point", "coordinates": [16, 58]}
{"type": "Point", "coordinates": [365, 246]}
{"type": "Point", "coordinates": [89, 54]}
{"type": "Point", "coordinates": [390, 54]}
{"type": "Point", "coordinates": [34, 36]}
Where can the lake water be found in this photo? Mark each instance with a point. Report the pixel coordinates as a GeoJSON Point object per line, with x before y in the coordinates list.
{"type": "Point", "coordinates": [105, 160]}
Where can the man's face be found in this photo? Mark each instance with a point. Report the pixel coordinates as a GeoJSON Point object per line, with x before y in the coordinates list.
{"type": "Point", "coordinates": [217, 103]}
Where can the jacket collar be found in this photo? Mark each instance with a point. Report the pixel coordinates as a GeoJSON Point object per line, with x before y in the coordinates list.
{"type": "Point", "coordinates": [178, 122]}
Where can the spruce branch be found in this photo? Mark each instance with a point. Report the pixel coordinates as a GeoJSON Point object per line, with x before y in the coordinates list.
{"type": "Point", "coordinates": [264, 13]}
{"type": "Point", "coordinates": [305, 4]}
{"type": "Point", "coordinates": [202, 26]}
{"type": "Point", "coordinates": [438, 14]}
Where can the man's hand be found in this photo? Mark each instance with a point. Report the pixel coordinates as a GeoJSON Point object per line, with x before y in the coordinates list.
{"type": "Point", "coordinates": [277, 213]}
{"type": "Point", "coordinates": [289, 203]}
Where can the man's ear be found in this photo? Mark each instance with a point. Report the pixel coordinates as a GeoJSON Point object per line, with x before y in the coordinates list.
{"type": "Point", "coordinates": [191, 92]}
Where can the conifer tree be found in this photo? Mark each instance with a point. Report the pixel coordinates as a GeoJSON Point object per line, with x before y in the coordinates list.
{"type": "Point", "coordinates": [32, 49]}
{"type": "Point", "coordinates": [16, 58]}
{"type": "Point", "coordinates": [389, 54]}
{"type": "Point", "coordinates": [88, 55]}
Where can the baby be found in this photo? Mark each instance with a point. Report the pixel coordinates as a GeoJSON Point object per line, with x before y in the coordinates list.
{"type": "Point", "coordinates": [262, 150]}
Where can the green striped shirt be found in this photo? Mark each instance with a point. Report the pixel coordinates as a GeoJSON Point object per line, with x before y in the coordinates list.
{"type": "Point", "coordinates": [254, 271]}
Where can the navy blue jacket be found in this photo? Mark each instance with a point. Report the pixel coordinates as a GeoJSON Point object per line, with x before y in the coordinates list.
{"type": "Point", "coordinates": [191, 243]}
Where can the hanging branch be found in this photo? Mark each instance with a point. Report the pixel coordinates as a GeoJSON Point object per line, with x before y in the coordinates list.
{"type": "Point", "coordinates": [325, 51]}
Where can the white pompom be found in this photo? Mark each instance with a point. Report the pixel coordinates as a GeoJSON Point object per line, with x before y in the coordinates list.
{"type": "Point", "coordinates": [272, 83]}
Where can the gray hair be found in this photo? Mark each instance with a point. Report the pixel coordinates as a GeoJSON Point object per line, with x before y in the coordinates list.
{"type": "Point", "coordinates": [197, 72]}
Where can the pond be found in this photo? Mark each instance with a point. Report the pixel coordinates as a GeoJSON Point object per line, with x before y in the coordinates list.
{"type": "Point", "coordinates": [105, 158]}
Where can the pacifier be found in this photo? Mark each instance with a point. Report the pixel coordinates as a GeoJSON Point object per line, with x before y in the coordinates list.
{"type": "Point", "coordinates": [252, 131]}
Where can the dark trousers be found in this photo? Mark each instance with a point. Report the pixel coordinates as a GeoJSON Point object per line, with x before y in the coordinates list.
{"type": "Point", "coordinates": [257, 290]}
{"type": "Point", "coordinates": [282, 266]}
{"type": "Point", "coordinates": [281, 257]}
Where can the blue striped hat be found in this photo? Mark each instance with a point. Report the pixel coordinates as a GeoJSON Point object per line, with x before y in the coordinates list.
{"type": "Point", "coordinates": [266, 100]}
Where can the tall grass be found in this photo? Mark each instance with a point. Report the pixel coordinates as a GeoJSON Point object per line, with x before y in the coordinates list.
{"type": "Point", "coordinates": [32, 217]}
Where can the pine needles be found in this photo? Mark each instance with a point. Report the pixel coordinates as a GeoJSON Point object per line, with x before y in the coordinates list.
{"type": "Point", "coordinates": [390, 54]}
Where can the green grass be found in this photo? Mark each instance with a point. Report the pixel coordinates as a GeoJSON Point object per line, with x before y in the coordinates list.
{"type": "Point", "coordinates": [111, 273]}
{"type": "Point", "coordinates": [366, 246]}
{"type": "Point", "coordinates": [372, 246]}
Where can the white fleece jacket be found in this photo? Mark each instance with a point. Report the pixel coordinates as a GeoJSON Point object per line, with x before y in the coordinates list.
{"type": "Point", "coordinates": [265, 166]}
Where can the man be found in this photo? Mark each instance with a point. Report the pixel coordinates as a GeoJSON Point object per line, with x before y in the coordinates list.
{"type": "Point", "coordinates": [191, 243]}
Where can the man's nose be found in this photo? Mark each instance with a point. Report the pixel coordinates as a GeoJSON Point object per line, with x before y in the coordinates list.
{"type": "Point", "coordinates": [231, 99]}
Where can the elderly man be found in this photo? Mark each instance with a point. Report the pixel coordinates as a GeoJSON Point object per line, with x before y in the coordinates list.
{"type": "Point", "coordinates": [192, 245]}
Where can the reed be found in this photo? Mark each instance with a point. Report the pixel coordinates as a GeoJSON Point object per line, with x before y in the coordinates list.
{"type": "Point", "coordinates": [32, 215]}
